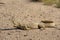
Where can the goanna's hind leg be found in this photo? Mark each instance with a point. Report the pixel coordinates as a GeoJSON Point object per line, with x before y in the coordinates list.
{"type": "Point", "coordinates": [41, 26]}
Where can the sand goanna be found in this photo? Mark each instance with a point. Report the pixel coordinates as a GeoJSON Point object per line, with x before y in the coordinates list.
{"type": "Point", "coordinates": [33, 25]}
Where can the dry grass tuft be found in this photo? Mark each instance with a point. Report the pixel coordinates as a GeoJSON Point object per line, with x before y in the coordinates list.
{"type": "Point", "coordinates": [48, 2]}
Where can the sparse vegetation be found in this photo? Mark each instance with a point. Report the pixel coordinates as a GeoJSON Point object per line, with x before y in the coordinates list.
{"type": "Point", "coordinates": [58, 4]}
{"type": "Point", "coordinates": [48, 2]}
{"type": "Point", "coordinates": [36, 0]}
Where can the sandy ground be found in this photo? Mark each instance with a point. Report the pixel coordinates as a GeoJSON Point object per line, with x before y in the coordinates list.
{"type": "Point", "coordinates": [27, 11]}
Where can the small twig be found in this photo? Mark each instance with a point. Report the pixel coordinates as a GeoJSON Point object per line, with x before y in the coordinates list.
{"type": "Point", "coordinates": [1, 3]}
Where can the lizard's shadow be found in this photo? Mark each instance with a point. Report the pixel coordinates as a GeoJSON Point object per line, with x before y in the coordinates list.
{"type": "Point", "coordinates": [11, 28]}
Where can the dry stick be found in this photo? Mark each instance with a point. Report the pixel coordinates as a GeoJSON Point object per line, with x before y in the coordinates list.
{"type": "Point", "coordinates": [1, 3]}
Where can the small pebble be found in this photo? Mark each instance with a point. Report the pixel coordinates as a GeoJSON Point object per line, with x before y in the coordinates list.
{"type": "Point", "coordinates": [30, 39]}
{"type": "Point", "coordinates": [57, 35]}
{"type": "Point", "coordinates": [9, 34]}
{"type": "Point", "coordinates": [25, 35]}
{"type": "Point", "coordinates": [46, 33]}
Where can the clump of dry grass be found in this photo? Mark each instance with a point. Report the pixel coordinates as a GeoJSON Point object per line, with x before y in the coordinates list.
{"type": "Point", "coordinates": [52, 2]}
{"type": "Point", "coordinates": [36, 0]}
{"type": "Point", "coordinates": [48, 2]}
{"type": "Point", "coordinates": [58, 4]}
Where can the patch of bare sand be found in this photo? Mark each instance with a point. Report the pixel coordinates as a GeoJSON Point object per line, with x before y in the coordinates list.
{"type": "Point", "coordinates": [25, 11]}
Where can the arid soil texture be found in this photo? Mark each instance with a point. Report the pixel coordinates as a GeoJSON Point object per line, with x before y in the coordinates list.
{"type": "Point", "coordinates": [27, 11]}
